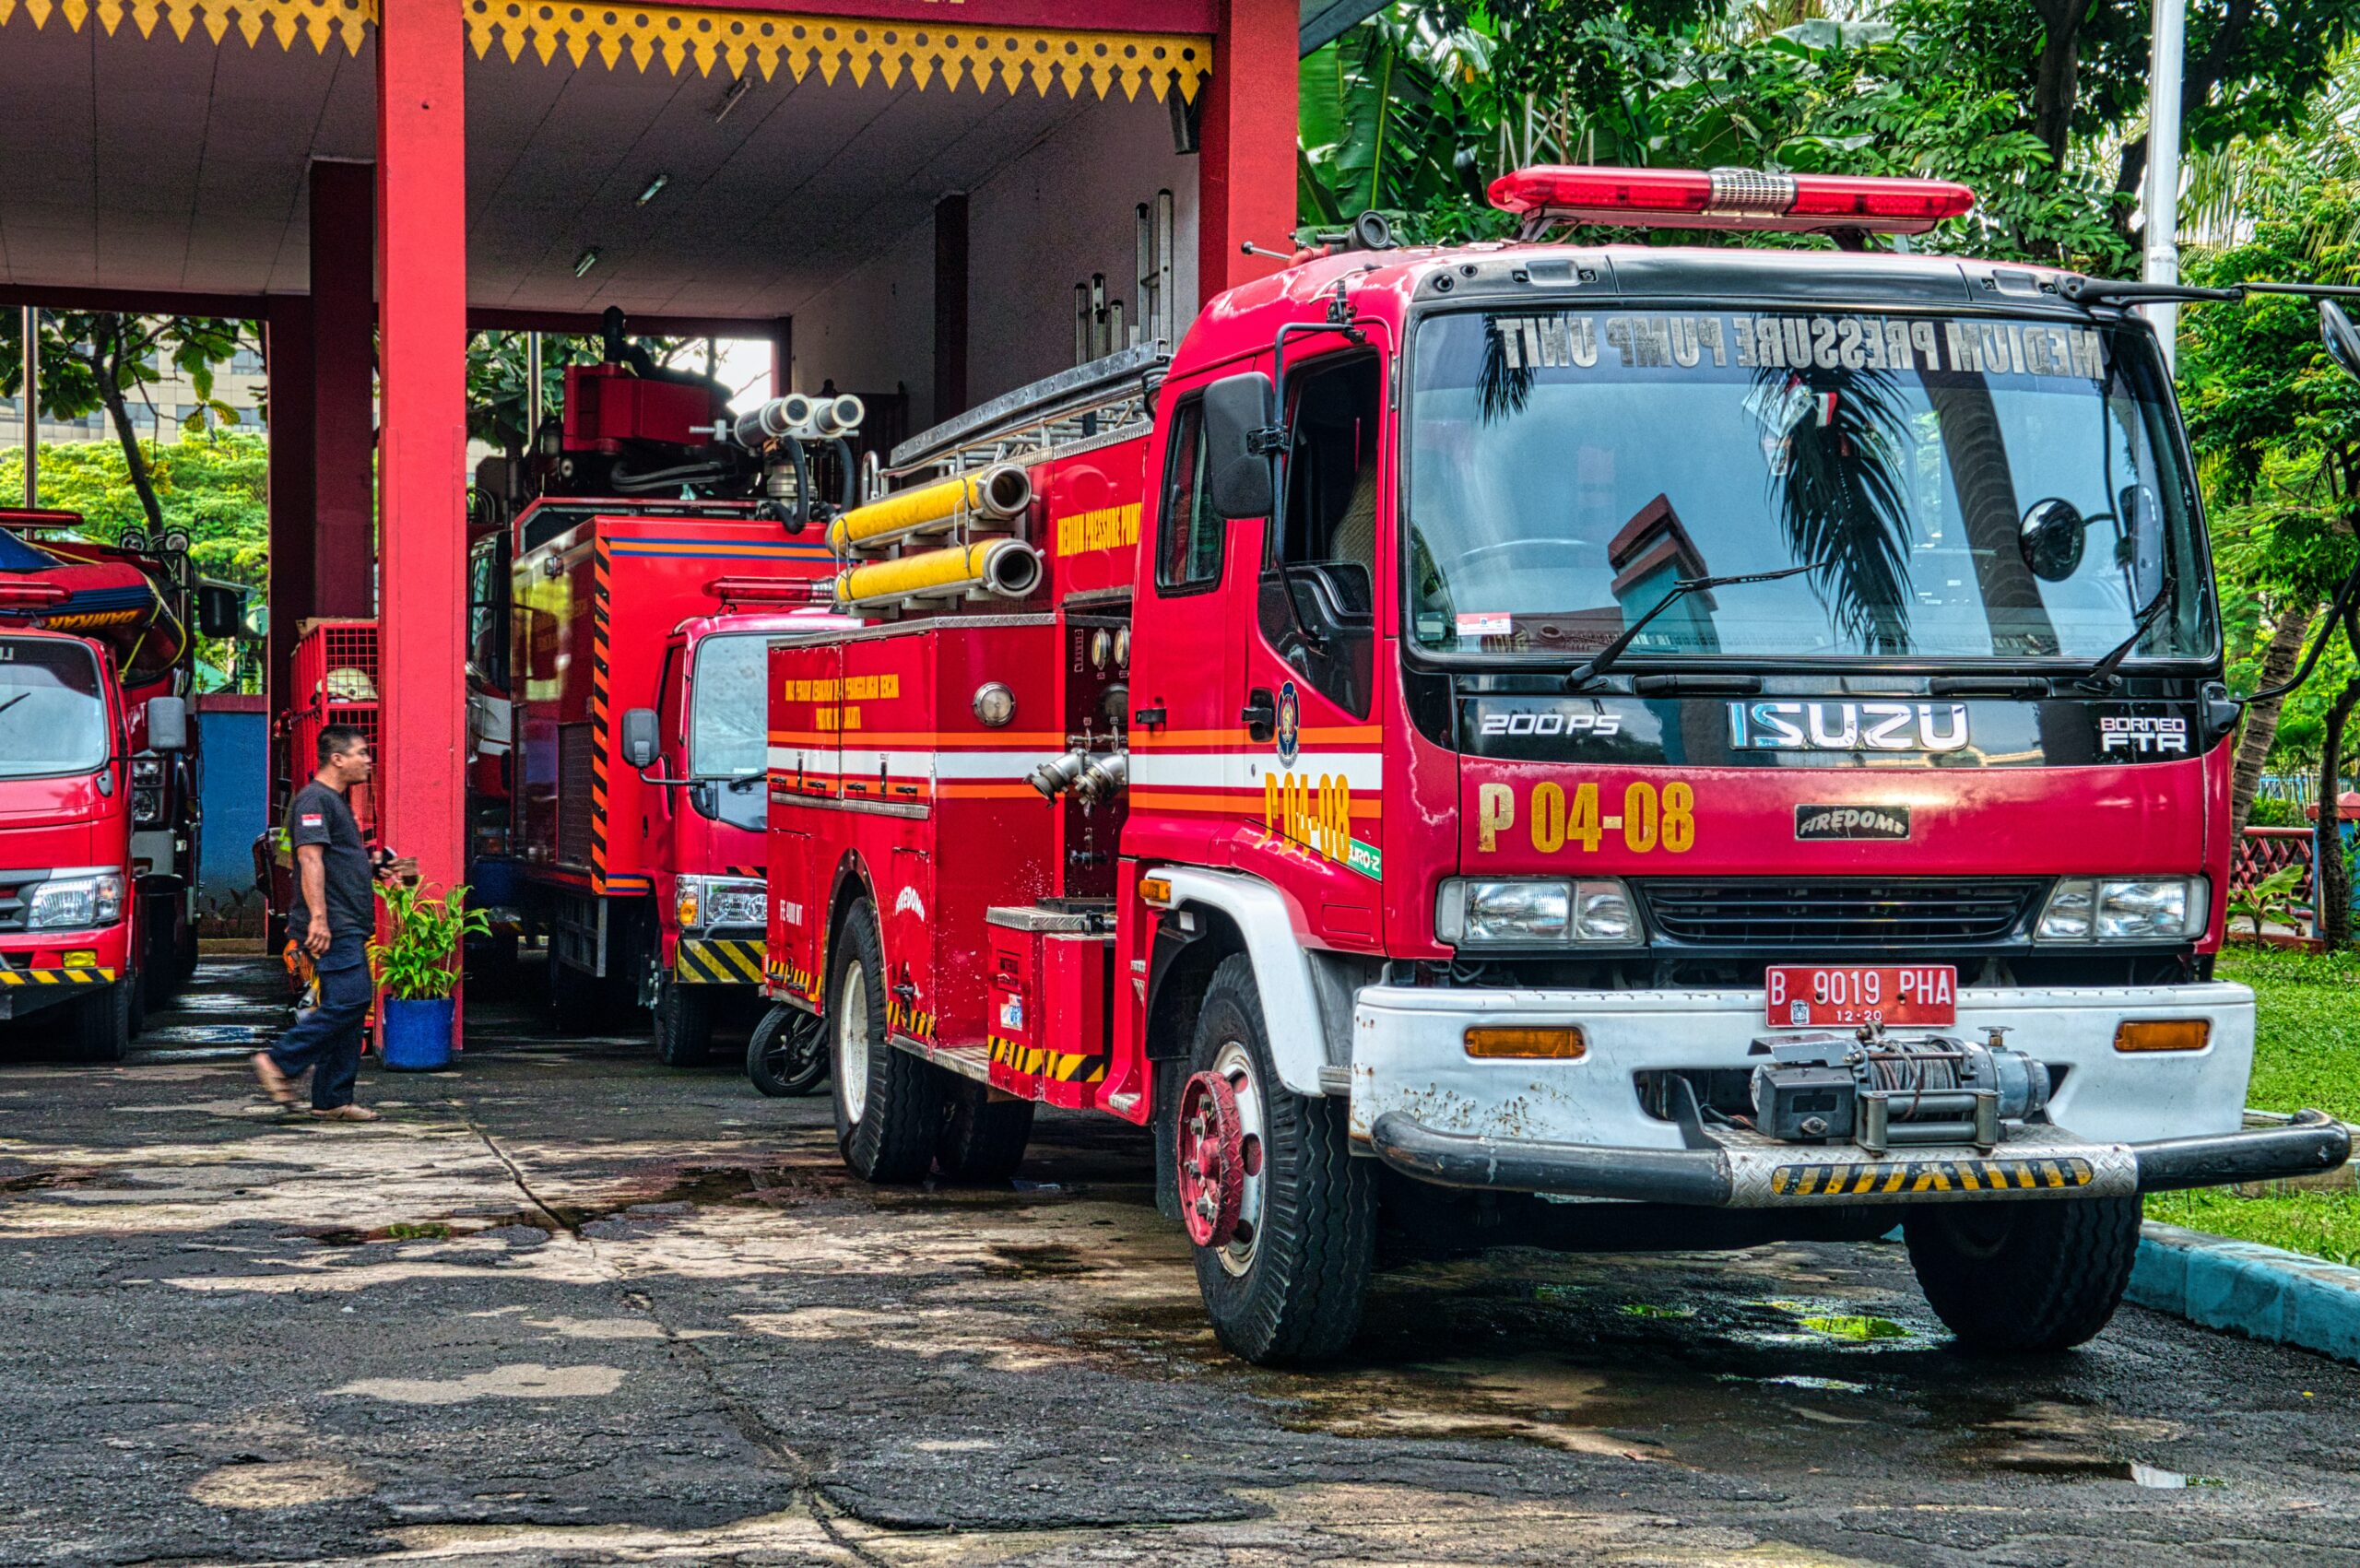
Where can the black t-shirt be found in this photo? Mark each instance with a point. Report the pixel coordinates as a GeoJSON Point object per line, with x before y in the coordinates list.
{"type": "Point", "coordinates": [321, 816]}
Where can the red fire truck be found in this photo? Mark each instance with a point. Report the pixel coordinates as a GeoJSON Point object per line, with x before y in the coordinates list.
{"type": "Point", "coordinates": [1541, 743]}
{"type": "Point", "coordinates": [637, 620]}
{"type": "Point", "coordinates": [99, 769]}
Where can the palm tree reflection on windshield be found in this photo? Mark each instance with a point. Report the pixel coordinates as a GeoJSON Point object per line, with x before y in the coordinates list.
{"type": "Point", "coordinates": [1835, 440]}
{"type": "Point", "coordinates": [1501, 389]}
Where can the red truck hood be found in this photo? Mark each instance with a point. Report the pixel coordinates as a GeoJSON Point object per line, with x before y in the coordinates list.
{"type": "Point", "coordinates": [51, 822]}
{"type": "Point", "coordinates": [1524, 818]}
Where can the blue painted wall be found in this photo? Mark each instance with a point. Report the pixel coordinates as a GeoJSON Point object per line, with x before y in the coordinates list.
{"type": "Point", "coordinates": [237, 750]}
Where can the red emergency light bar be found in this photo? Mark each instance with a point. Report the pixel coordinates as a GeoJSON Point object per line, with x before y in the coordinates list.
{"type": "Point", "coordinates": [33, 595]}
{"type": "Point", "coordinates": [771, 590]}
{"type": "Point", "coordinates": [1729, 199]}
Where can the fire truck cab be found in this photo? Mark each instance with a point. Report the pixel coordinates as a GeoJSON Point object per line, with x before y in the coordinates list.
{"type": "Point", "coordinates": [1532, 743]}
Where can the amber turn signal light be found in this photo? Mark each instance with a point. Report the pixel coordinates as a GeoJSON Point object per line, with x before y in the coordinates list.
{"type": "Point", "coordinates": [1559, 1044]}
{"type": "Point", "coordinates": [2163, 1034]}
{"type": "Point", "coordinates": [1156, 891]}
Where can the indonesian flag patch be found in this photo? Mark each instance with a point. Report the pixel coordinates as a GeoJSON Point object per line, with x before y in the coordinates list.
{"type": "Point", "coordinates": [310, 820]}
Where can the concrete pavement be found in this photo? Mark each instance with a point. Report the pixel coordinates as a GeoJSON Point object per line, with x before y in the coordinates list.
{"type": "Point", "coordinates": [567, 1306]}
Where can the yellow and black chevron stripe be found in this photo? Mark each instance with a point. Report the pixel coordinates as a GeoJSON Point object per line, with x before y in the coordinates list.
{"type": "Point", "coordinates": [903, 1019]}
{"type": "Point", "coordinates": [803, 982]}
{"type": "Point", "coordinates": [57, 977]}
{"type": "Point", "coordinates": [1036, 1061]}
{"type": "Point", "coordinates": [601, 635]}
{"type": "Point", "coordinates": [1886, 1176]}
{"type": "Point", "coordinates": [718, 961]}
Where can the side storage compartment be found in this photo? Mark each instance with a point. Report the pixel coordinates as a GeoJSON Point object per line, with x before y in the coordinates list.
{"type": "Point", "coordinates": [1049, 979]}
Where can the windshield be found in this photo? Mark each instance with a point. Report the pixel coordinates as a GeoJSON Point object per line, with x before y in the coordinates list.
{"type": "Point", "coordinates": [51, 717]}
{"type": "Point", "coordinates": [728, 733]}
{"type": "Point", "coordinates": [1566, 469]}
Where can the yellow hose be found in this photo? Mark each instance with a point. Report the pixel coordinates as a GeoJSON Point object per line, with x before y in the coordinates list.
{"type": "Point", "coordinates": [1000, 491]}
{"type": "Point", "coordinates": [937, 572]}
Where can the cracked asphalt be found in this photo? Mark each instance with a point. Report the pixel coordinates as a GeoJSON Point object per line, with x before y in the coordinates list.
{"type": "Point", "coordinates": [567, 1306]}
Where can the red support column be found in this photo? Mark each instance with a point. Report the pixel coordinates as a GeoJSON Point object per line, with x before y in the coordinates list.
{"type": "Point", "coordinates": [423, 327]}
{"type": "Point", "coordinates": [344, 312]}
{"type": "Point", "coordinates": [1245, 170]}
{"type": "Point", "coordinates": [288, 369]}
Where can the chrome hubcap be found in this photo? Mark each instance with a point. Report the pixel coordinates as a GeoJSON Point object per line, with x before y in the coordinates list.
{"type": "Point", "coordinates": [1235, 1064]}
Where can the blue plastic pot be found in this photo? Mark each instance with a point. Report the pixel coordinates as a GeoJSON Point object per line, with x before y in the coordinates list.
{"type": "Point", "coordinates": [415, 1035]}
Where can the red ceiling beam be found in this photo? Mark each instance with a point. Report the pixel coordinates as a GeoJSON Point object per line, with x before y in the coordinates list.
{"type": "Point", "coordinates": [136, 301]}
{"type": "Point", "coordinates": [585, 324]}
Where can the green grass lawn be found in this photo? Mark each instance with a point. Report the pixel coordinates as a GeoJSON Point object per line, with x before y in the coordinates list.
{"type": "Point", "coordinates": [2306, 1054]}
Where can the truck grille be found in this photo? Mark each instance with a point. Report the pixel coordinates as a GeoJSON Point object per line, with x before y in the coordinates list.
{"type": "Point", "coordinates": [1770, 913]}
{"type": "Point", "coordinates": [13, 899]}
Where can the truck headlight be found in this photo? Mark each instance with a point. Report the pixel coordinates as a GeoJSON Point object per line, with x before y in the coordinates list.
{"type": "Point", "coordinates": [148, 772]}
{"type": "Point", "coordinates": [147, 806]}
{"type": "Point", "coordinates": [73, 903]}
{"type": "Point", "coordinates": [700, 902]}
{"type": "Point", "coordinates": [2126, 909]}
{"type": "Point", "coordinates": [1525, 913]}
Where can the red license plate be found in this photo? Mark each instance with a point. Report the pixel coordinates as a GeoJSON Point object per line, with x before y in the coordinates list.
{"type": "Point", "coordinates": [1846, 995]}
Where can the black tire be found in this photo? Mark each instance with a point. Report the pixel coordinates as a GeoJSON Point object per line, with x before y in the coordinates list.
{"type": "Point", "coordinates": [787, 1054]}
{"type": "Point", "coordinates": [2024, 1276]}
{"type": "Point", "coordinates": [888, 1104]}
{"type": "Point", "coordinates": [983, 1138]}
{"type": "Point", "coordinates": [683, 1024]}
{"type": "Point", "coordinates": [1297, 1293]}
{"type": "Point", "coordinates": [102, 1026]}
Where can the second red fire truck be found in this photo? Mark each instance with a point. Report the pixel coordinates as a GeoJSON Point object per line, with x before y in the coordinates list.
{"type": "Point", "coordinates": [1571, 745]}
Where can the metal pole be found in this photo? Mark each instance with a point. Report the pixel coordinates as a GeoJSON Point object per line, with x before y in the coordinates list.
{"type": "Point", "coordinates": [2163, 169]}
{"type": "Point", "coordinates": [31, 389]}
{"type": "Point", "coordinates": [532, 395]}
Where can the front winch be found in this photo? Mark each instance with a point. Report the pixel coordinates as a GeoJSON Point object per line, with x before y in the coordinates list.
{"type": "Point", "coordinates": [1876, 1089]}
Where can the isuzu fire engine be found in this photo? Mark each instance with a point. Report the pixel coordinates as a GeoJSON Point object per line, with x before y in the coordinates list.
{"type": "Point", "coordinates": [1538, 743]}
{"type": "Point", "coordinates": [99, 772]}
{"type": "Point", "coordinates": [636, 622]}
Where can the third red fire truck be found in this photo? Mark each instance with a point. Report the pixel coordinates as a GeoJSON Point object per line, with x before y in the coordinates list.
{"type": "Point", "coordinates": [1557, 744]}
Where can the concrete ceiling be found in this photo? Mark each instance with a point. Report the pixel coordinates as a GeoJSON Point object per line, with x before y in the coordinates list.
{"type": "Point", "coordinates": [162, 164]}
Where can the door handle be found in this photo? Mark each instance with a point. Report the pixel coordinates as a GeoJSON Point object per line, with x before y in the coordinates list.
{"type": "Point", "coordinates": [1260, 715]}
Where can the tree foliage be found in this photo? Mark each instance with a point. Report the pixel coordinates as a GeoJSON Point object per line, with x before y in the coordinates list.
{"type": "Point", "coordinates": [106, 359]}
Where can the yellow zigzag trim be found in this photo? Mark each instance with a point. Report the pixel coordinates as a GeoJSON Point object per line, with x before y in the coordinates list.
{"type": "Point", "coordinates": [286, 20]}
{"type": "Point", "coordinates": [684, 35]}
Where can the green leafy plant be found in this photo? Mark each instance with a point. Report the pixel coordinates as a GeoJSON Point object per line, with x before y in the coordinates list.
{"type": "Point", "coordinates": [2270, 900]}
{"type": "Point", "coordinates": [421, 964]}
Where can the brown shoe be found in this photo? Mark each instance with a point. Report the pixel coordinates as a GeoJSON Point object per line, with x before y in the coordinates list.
{"type": "Point", "coordinates": [274, 1082]}
{"type": "Point", "coordinates": [347, 1114]}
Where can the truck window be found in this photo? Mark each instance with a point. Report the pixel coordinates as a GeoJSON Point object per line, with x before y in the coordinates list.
{"type": "Point", "coordinates": [1329, 546]}
{"type": "Point", "coordinates": [53, 719]}
{"type": "Point", "coordinates": [1189, 537]}
{"type": "Point", "coordinates": [728, 728]}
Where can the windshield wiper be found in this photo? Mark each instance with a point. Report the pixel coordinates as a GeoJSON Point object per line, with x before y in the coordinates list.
{"type": "Point", "coordinates": [2133, 291]}
{"type": "Point", "coordinates": [1598, 664]}
{"type": "Point", "coordinates": [14, 701]}
{"type": "Point", "coordinates": [2100, 677]}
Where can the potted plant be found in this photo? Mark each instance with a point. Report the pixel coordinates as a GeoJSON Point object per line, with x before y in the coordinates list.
{"type": "Point", "coordinates": [417, 970]}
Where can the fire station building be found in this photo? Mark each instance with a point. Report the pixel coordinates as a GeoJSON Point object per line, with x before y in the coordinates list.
{"type": "Point", "coordinates": [924, 202]}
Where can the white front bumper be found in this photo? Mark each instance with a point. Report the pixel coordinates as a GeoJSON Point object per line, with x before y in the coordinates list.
{"type": "Point", "coordinates": [1408, 1055]}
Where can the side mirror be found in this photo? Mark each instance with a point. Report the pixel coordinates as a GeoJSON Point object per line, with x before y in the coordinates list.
{"type": "Point", "coordinates": [167, 723]}
{"type": "Point", "coordinates": [639, 746]}
{"type": "Point", "coordinates": [2343, 339]}
{"type": "Point", "coordinates": [2050, 538]}
{"type": "Point", "coordinates": [220, 609]}
{"type": "Point", "coordinates": [1238, 476]}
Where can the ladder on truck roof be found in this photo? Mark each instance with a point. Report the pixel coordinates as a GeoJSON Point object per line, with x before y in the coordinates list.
{"type": "Point", "coordinates": [1091, 402]}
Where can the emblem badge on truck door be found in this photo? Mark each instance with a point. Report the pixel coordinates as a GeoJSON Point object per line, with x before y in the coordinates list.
{"type": "Point", "coordinates": [1289, 725]}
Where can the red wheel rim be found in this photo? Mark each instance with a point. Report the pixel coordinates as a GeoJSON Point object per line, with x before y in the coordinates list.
{"type": "Point", "coordinates": [1212, 1160]}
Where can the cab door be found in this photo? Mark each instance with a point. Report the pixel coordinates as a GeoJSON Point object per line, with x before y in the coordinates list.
{"type": "Point", "coordinates": [1187, 788]}
{"type": "Point", "coordinates": [1304, 613]}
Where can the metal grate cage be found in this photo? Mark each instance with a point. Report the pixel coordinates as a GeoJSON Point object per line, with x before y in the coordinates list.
{"type": "Point", "coordinates": [1772, 914]}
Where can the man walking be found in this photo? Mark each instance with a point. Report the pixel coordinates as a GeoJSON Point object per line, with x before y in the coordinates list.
{"type": "Point", "coordinates": [333, 917]}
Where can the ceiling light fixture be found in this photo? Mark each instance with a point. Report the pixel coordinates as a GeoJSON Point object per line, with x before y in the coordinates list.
{"type": "Point", "coordinates": [655, 188]}
{"type": "Point", "coordinates": [586, 260]}
{"type": "Point", "coordinates": [738, 89]}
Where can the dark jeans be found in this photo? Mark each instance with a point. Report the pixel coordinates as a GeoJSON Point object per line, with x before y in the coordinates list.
{"type": "Point", "coordinates": [327, 1039]}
